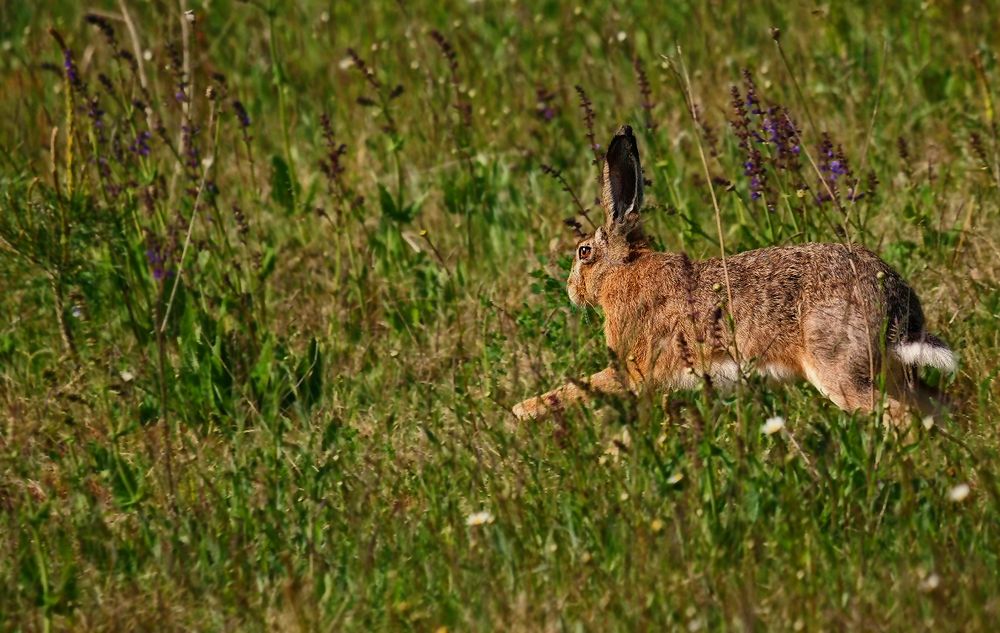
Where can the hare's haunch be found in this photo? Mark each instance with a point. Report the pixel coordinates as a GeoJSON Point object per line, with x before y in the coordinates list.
{"type": "Point", "coordinates": [833, 314]}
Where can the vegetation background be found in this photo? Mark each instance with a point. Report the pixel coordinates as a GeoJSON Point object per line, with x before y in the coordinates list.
{"type": "Point", "coordinates": [272, 274]}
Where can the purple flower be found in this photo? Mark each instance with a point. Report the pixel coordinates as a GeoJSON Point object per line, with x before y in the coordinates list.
{"type": "Point", "coordinates": [72, 74]}
{"type": "Point", "coordinates": [156, 259]}
{"type": "Point", "coordinates": [95, 113]}
{"type": "Point", "coordinates": [544, 106]}
{"type": "Point", "coordinates": [141, 144]}
{"type": "Point", "coordinates": [241, 113]}
{"type": "Point", "coordinates": [192, 157]}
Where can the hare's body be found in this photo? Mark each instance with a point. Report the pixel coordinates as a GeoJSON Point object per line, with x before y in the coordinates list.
{"type": "Point", "coordinates": [835, 315]}
{"type": "Point", "coordinates": [816, 311]}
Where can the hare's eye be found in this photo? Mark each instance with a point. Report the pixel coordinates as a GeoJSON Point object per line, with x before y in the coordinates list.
{"type": "Point", "coordinates": [584, 252]}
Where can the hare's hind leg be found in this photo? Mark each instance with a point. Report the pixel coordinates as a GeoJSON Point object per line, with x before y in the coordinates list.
{"type": "Point", "coordinates": [848, 384]}
{"type": "Point", "coordinates": [607, 381]}
{"type": "Point", "coordinates": [842, 383]}
{"type": "Point", "coordinates": [838, 360]}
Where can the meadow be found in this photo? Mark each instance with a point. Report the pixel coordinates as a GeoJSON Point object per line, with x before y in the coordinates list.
{"type": "Point", "coordinates": [273, 274]}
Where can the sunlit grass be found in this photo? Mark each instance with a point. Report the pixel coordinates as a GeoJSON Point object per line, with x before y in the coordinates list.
{"type": "Point", "coordinates": [269, 299]}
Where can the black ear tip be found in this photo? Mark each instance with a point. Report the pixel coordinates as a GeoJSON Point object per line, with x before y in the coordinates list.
{"type": "Point", "coordinates": [626, 131]}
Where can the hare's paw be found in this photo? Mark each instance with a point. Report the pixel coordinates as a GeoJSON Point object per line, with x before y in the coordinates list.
{"type": "Point", "coordinates": [526, 410]}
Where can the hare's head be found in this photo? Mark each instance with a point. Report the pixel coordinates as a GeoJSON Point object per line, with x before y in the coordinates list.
{"type": "Point", "coordinates": [615, 243]}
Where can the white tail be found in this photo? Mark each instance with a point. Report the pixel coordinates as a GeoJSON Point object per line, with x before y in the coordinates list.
{"type": "Point", "coordinates": [925, 353]}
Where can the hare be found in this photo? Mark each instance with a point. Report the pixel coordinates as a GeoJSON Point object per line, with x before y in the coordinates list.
{"type": "Point", "coordinates": [834, 314]}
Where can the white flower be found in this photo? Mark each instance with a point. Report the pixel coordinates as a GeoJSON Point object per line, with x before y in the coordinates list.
{"type": "Point", "coordinates": [773, 425]}
{"type": "Point", "coordinates": [621, 36]}
{"type": "Point", "coordinates": [930, 583]}
{"type": "Point", "coordinates": [928, 422]}
{"type": "Point", "coordinates": [479, 518]}
{"type": "Point", "coordinates": [959, 492]}
{"type": "Point", "coordinates": [676, 477]}
{"type": "Point", "coordinates": [345, 63]}
{"type": "Point", "coordinates": [126, 375]}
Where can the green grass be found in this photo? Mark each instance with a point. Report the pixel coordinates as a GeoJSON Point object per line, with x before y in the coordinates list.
{"type": "Point", "coordinates": [291, 426]}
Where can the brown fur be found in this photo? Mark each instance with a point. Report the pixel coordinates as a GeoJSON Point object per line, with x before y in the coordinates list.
{"type": "Point", "coordinates": [829, 313]}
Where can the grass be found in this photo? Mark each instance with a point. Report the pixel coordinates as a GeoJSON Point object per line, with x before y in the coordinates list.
{"type": "Point", "coordinates": [259, 376]}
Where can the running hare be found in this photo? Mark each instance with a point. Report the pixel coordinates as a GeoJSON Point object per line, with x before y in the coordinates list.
{"type": "Point", "coordinates": [829, 313]}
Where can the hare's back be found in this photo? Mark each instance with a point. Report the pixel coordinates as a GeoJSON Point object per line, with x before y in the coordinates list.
{"type": "Point", "coordinates": [769, 276]}
{"type": "Point", "coordinates": [774, 290]}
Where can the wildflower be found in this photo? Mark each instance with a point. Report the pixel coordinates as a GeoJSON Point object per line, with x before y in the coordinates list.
{"type": "Point", "coordinates": [96, 114]}
{"type": "Point", "coordinates": [360, 64]}
{"type": "Point", "coordinates": [72, 74]}
{"type": "Point", "coordinates": [331, 165]}
{"type": "Point", "coordinates": [545, 109]}
{"type": "Point", "coordinates": [930, 583]}
{"type": "Point", "coordinates": [783, 135]}
{"type": "Point", "coordinates": [746, 133]}
{"type": "Point", "coordinates": [959, 493]}
{"type": "Point", "coordinates": [832, 166]}
{"type": "Point", "coordinates": [244, 121]}
{"type": "Point", "coordinates": [479, 518]}
{"type": "Point", "coordinates": [192, 157]}
{"type": "Point", "coordinates": [242, 225]}
{"type": "Point", "coordinates": [141, 144]}
{"type": "Point", "coordinates": [157, 256]}
{"type": "Point", "coordinates": [773, 425]}
{"type": "Point", "coordinates": [675, 478]}
{"type": "Point", "coordinates": [645, 91]}
{"type": "Point", "coordinates": [104, 25]}
{"type": "Point", "coordinates": [588, 119]}
{"type": "Point", "coordinates": [155, 259]}
{"type": "Point", "coordinates": [462, 105]}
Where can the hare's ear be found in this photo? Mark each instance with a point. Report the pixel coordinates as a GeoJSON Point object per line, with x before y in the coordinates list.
{"type": "Point", "coordinates": [622, 191]}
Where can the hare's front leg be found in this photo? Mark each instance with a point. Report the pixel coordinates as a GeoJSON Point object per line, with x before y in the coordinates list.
{"type": "Point", "coordinates": [607, 381]}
